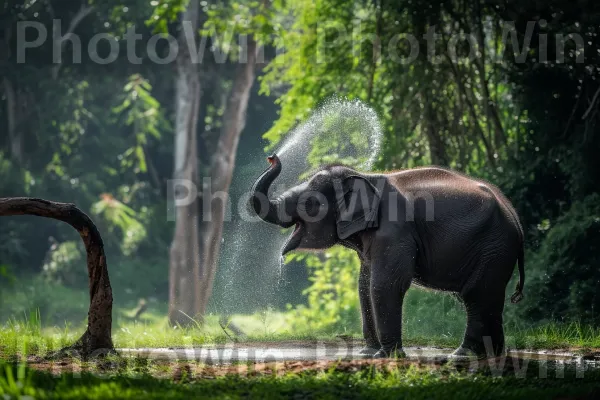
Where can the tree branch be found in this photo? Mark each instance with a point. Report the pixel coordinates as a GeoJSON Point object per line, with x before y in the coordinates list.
{"type": "Point", "coordinates": [83, 12]}
{"type": "Point", "coordinates": [97, 338]}
{"type": "Point", "coordinates": [591, 107]}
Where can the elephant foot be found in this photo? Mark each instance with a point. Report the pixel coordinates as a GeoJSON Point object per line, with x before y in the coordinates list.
{"type": "Point", "coordinates": [369, 350]}
{"type": "Point", "coordinates": [477, 352]}
{"type": "Point", "coordinates": [391, 353]}
{"type": "Point", "coordinates": [464, 353]}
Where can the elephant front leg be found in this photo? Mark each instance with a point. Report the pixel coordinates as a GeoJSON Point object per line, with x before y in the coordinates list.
{"type": "Point", "coordinates": [390, 279]}
{"type": "Point", "coordinates": [368, 323]}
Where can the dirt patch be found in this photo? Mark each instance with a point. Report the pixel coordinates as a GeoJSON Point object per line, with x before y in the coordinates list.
{"type": "Point", "coordinates": [288, 344]}
{"type": "Point", "coordinates": [256, 359]}
{"type": "Point", "coordinates": [179, 371]}
{"type": "Point", "coordinates": [183, 371]}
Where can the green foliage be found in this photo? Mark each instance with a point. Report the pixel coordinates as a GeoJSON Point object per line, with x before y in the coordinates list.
{"type": "Point", "coordinates": [39, 298]}
{"type": "Point", "coordinates": [528, 128]}
{"type": "Point", "coordinates": [120, 216]}
{"type": "Point", "coordinates": [433, 315]}
{"type": "Point", "coordinates": [65, 265]}
{"type": "Point", "coordinates": [19, 386]}
{"type": "Point", "coordinates": [60, 293]}
{"type": "Point", "coordinates": [7, 275]}
{"type": "Point", "coordinates": [228, 19]}
{"type": "Point", "coordinates": [125, 274]}
{"type": "Point", "coordinates": [332, 297]}
{"type": "Point", "coordinates": [565, 275]}
{"type": "Point", "coordinates": [165, 12]}
{"type": "Point", "coordinates": [11, 244]}
{"type": "Point", "coordinates": [137, 378]}
{"type": "Point", "coordinates": [312, 79]}
{"type": "Point", "coordinates": [70, 128]}
{"type": "Point", "coordinates": [142, 113]}
{"type": "Point", "coordinates": [472, 122]}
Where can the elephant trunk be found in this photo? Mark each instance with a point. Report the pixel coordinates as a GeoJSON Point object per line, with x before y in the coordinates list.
{"type": "Point", "coordinates": [259, 198]}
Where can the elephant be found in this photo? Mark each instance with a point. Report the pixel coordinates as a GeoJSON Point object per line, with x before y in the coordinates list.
{"type": "Point", "coordinates": [431, 226]}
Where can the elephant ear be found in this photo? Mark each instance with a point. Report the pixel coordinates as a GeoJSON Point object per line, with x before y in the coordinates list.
{"type": "Point", "coordinates": [357, 205]}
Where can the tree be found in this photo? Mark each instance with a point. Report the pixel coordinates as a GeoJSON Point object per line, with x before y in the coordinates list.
{"type": "Point", "coordinates": [196, 244]}
{"type": "Point", "coordinates": [97, 337]}
{"type": "Point", "coordinates": [437, 105]}
{"type": "Point", "coordinates": [184, 264]}
{"type": "Point", "coordinates": [222, 165]}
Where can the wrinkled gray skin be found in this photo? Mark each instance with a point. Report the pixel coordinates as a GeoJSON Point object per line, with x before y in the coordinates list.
{"type": "Point", "coordinates": [429, 226]}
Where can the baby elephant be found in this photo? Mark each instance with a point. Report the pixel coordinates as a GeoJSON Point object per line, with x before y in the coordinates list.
{"type": "Point", "coordinates": [430, 226]}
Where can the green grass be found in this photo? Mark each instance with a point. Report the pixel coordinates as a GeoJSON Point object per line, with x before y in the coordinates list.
{"type": "Point", "coordinates": [404, 381]}
{"type": "Point", "coordinates": [430, 319]}
{"type": "Point", "coordinates": [131, 378]}
{"type": "Point", "coordinates": [154, 331]}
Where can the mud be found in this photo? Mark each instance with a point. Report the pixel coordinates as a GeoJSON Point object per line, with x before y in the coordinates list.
{"type": "Point", "coordinates": [265, 352]}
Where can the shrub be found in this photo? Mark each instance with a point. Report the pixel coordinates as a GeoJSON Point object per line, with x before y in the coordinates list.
{"type": "Point", "coordinates": [333, 303]}
{"type": "Point", "coordinates": [66, 264]}
{"type": "Point", "coordinates": [564, 273]}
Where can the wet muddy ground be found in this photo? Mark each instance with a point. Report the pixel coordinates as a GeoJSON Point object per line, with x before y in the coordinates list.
{"type": "Point", "coordinates": [279, 358]}
{"type": "Point", "coordinates": [317, 351]}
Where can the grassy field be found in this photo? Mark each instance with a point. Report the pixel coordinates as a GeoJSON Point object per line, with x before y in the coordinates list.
{"type": "Point", "coordinates": [330, 381]}
{"type": "Point", "coordinates": [154, 331]}
{"type": "Point", "coordinates": [131, 378]}
{"type": "Point", "coordinates": [430, 319]}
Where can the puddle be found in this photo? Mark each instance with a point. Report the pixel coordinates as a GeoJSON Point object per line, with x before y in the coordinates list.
{"type": "Point", "coordinates": [326, 351]}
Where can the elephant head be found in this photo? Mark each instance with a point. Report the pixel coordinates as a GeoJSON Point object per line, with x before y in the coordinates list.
{"type": "Point", "coordinates": [335, 203]}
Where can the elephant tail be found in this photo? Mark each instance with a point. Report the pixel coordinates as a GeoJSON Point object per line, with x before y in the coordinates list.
{"type": "Point", "coordinates": [518, 294]}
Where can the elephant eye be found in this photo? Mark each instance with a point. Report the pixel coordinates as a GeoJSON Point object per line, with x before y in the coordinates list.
{"type": "Point", "coordinates": [311, 204]}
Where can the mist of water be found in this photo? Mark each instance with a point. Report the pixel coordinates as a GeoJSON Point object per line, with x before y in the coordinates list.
{"type": "Point", "coordinates": [339, 131]}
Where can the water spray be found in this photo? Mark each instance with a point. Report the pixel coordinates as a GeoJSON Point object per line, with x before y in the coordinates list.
{"type": "Point", "coordinates": [340, 130]}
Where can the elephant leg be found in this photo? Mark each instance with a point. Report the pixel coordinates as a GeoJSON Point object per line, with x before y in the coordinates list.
{"type": "Point", "coordinates": [368, 324]}
{"type": "Point", "coordinates": [391, 276]}
{"type": "Point", "coordinates": [484, 335]}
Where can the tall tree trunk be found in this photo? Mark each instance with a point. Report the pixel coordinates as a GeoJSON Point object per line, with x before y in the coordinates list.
{"type": "Point", "coordinates": [184, 263]}
{"type": "Point", "coordinates": [97, 338]}
{"type": "Point", "coordinates": [222, 165]}
{"type": "Point", "coordinates": [437, 147]}
{"type": "Point", "coordinates": [10, 94]}
{"type": "Point", "coordinates": [462, 92]}
{"type": "Point", "coordinates": [491, 112]}
{"type": "Point", "coordinates": [433, 134]}
{"type": "Point", "coordinates": [14, 136]}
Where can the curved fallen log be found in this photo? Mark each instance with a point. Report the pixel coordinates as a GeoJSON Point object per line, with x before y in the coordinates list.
{"type": "Point", "coordinates": [97, 338]}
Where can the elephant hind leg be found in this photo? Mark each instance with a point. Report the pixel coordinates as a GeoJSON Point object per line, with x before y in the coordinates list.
{"type": "Point", "coordinates": [483, 296]}
{"type": "Point", "coordinates": [484, 334]}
